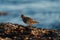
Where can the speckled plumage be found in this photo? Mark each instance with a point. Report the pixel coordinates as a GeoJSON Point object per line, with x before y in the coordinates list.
{"type": "Point", "coordinates": [28, 20]}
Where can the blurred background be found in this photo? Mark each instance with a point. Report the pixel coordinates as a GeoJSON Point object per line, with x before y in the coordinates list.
{"type": "Point", "coordinates": [47, 12]}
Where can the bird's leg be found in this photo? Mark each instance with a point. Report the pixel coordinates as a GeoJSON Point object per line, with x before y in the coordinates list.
{"type": "Point", "coordinates": [30, 25]}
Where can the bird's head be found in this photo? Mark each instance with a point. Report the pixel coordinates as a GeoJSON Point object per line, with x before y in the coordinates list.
{"type": "Point", "coordinates": [22, 15]}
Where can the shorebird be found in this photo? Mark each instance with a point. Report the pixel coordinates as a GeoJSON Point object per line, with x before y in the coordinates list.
{"type": "Point", "coordinates": [28, 20]}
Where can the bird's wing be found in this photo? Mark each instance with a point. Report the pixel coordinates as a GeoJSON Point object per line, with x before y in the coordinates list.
{"type": "Point", "coordinates": [28, 18]}
{"type": "Point", "coordinates": [32, 21]}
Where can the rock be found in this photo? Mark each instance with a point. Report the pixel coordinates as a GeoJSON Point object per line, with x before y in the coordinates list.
{"type": "Point", "coordinates": [3, 13]}
{"type": "Point", "coordinates": [11, 31]}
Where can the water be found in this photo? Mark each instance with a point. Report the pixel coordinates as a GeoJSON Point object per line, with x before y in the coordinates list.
{"type": "Point", "coordinates": [47, 12]}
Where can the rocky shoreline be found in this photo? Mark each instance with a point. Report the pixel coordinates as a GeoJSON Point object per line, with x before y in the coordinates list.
{"type": "Point", "coordinates": [10, 31]}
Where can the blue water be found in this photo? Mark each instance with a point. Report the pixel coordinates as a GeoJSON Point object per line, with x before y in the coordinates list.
{"type": "Point", "coordinates": [47, 12]}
